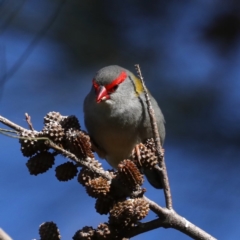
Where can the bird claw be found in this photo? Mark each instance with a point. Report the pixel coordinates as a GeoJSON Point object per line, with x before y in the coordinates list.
{"type": "Point", "coordinates": [138, 154]}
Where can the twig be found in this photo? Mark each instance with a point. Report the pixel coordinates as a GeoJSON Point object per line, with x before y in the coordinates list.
{"type": "Point", "coordinates": [28, 119]}
{"type": "Point", "coordinates": [81, 162]}
{"type": "Point", "coordinates": [161, 212]}
{"type": "Point", "coordinates": [10, 124]}
{"type": "Point", "coordinates": [145, 227]}
{"type": "Point", "coordinates": [4, 236]}
{"type": "Point", "coordinates": [8, 130]}
{"type": "Point", "coordinates": [162, 169]}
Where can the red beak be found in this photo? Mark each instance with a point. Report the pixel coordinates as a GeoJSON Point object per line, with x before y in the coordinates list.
{"type": "Point", "coordinates": [102, 94]}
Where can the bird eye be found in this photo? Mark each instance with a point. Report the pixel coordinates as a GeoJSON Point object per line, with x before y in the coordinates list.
{"type": "Point", "coordinates": [113, 89]}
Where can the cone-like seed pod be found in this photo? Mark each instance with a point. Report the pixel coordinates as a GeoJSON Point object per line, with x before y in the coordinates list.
{"type": "Point", "coordinates": [104, 204]}
{"type": "Point", "coordinates": [86, 233]}
{"type": "Point", "coordinates": [70, 122]}
{"type": "Point", "coordinates": [78, 143]}
{"type": "Point", "coordinates": [129, 174]}
{"type": "Point", "coordinates": [49, 230]}
{"type": "Point", "coordinates": [85, 174]}
{"type": "Point", "coordinates": [98, 187]}
{"type": "Point", "coordinates": [141, 208]}
{"type": "Point", "coordinates": [105, 232]}
{"type": "Point", "coordinates": [54, 131]}
{"type": "Point", "coordinates": [40, 163]}
{"type": "Point", "coordinates": [31, 146]}
{"type": "Point", "coordinates": [66, 171]}
{"type": "Point", "coordinates": [148, 159]}
{"type": "Point", "coordinates": [150, 144]}
{"type": "Point", "coordinates": [52, 117]}
{"type": "Point", "coordinates": [128, 212]}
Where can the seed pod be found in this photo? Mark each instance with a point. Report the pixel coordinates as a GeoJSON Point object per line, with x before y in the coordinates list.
{"type": "Point", "coordinates": [66, 171]}
{"type": "Point", "coordinates": [40, 163]}
{"type": "Point", "coordinates": [49, 230]}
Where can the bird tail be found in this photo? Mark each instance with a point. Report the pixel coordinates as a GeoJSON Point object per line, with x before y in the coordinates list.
{"type": "Point", "coordinates": [153, 177]}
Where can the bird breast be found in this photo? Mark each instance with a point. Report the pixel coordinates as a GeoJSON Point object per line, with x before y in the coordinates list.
{"type": "Point", "coordinates": [113, 127]}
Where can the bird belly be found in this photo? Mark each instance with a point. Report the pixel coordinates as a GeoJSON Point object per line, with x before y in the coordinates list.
{"type": "Point", "coordinates": [118, 145]}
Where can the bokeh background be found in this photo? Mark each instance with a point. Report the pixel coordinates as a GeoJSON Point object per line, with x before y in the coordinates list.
{"type": "Point", "coordinates": [189, 53]}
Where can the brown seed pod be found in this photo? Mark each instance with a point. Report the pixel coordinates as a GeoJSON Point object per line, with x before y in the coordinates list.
{"type": "Point", "coordinates": [141, 208]}
{"type": "Point", "coordinates": [150, 144]}
{"type": "Point", "coordinates": [86, 233]}
{"type": "Point", "coordinates": [145, 157]}
{"type": "Point", "coordinates": [70, 122]}
{"type": "Point", "coordinates": [85, 174]}
{"type": "Point", "coordinates": [40, 163]}
{"type": "Point", "coordinates": [29, 144]}
{"type": "Point", "coordinates": [98, 187]}
{"type": "Point", "coordinates": [49, 230]}
{"type": "Point", "coordinates": [78, 143]}
{"type": "Point", "coordinates": [54, 131]}
{"type": "Point", "coordinates": [105, 231]}
{"type": "Point", "coordinates": [129, 174]}
{"type": "Point", "coordinates": [127, 213]}
{"type": "Point", "coordinates": [104, 204]}
{"type": "Point", "coordinates": [52, 117]}
{"type": "Point", "coordinates": [66, 171]}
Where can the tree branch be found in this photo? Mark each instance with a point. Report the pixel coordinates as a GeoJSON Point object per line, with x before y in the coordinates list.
{"type": "Point", "coordinates": [28, 119]}
{"type": "Point", "coordinates": [82, 162]}
{"type": "Point", "coordinates": [162, 169]}
{"type": "Point", "coordinates": [167, 217]}
{"type": "Point", "coordinates": [10, 124]}
{"type": "Point", "coordinates": [171, 220]}
{"type": "Point", "coordinates": [4, 236]}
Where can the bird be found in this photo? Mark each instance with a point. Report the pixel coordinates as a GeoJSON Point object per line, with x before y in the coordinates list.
{"type": "Point", "coordinates": [117, 119]}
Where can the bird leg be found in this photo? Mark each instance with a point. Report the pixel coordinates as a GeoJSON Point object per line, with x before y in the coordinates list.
{"type": "Point", "coordinates": [138, 154]}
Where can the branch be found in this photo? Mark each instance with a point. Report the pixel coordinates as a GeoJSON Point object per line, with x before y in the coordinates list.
{"type": "Point", "coordinates": [172, 220]}
{"type": "Point", "coordinates": [162, 169]}
{"type": "Point", "coordinates": [10, 124]}
{"type": "Point", "coordinates": [145, 227]}
{"type": "Point", "coordinates": [81, 162]}
{"type": "Point", "coordinates": [167, 217]}
{"type": "Point", "coordinates": [28, 119]}
{"type": "Point", "coordinates": [4, 236]}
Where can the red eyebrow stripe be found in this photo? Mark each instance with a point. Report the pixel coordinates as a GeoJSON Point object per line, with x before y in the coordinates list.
{"type": "Point", "coordinates": [122, 76]}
